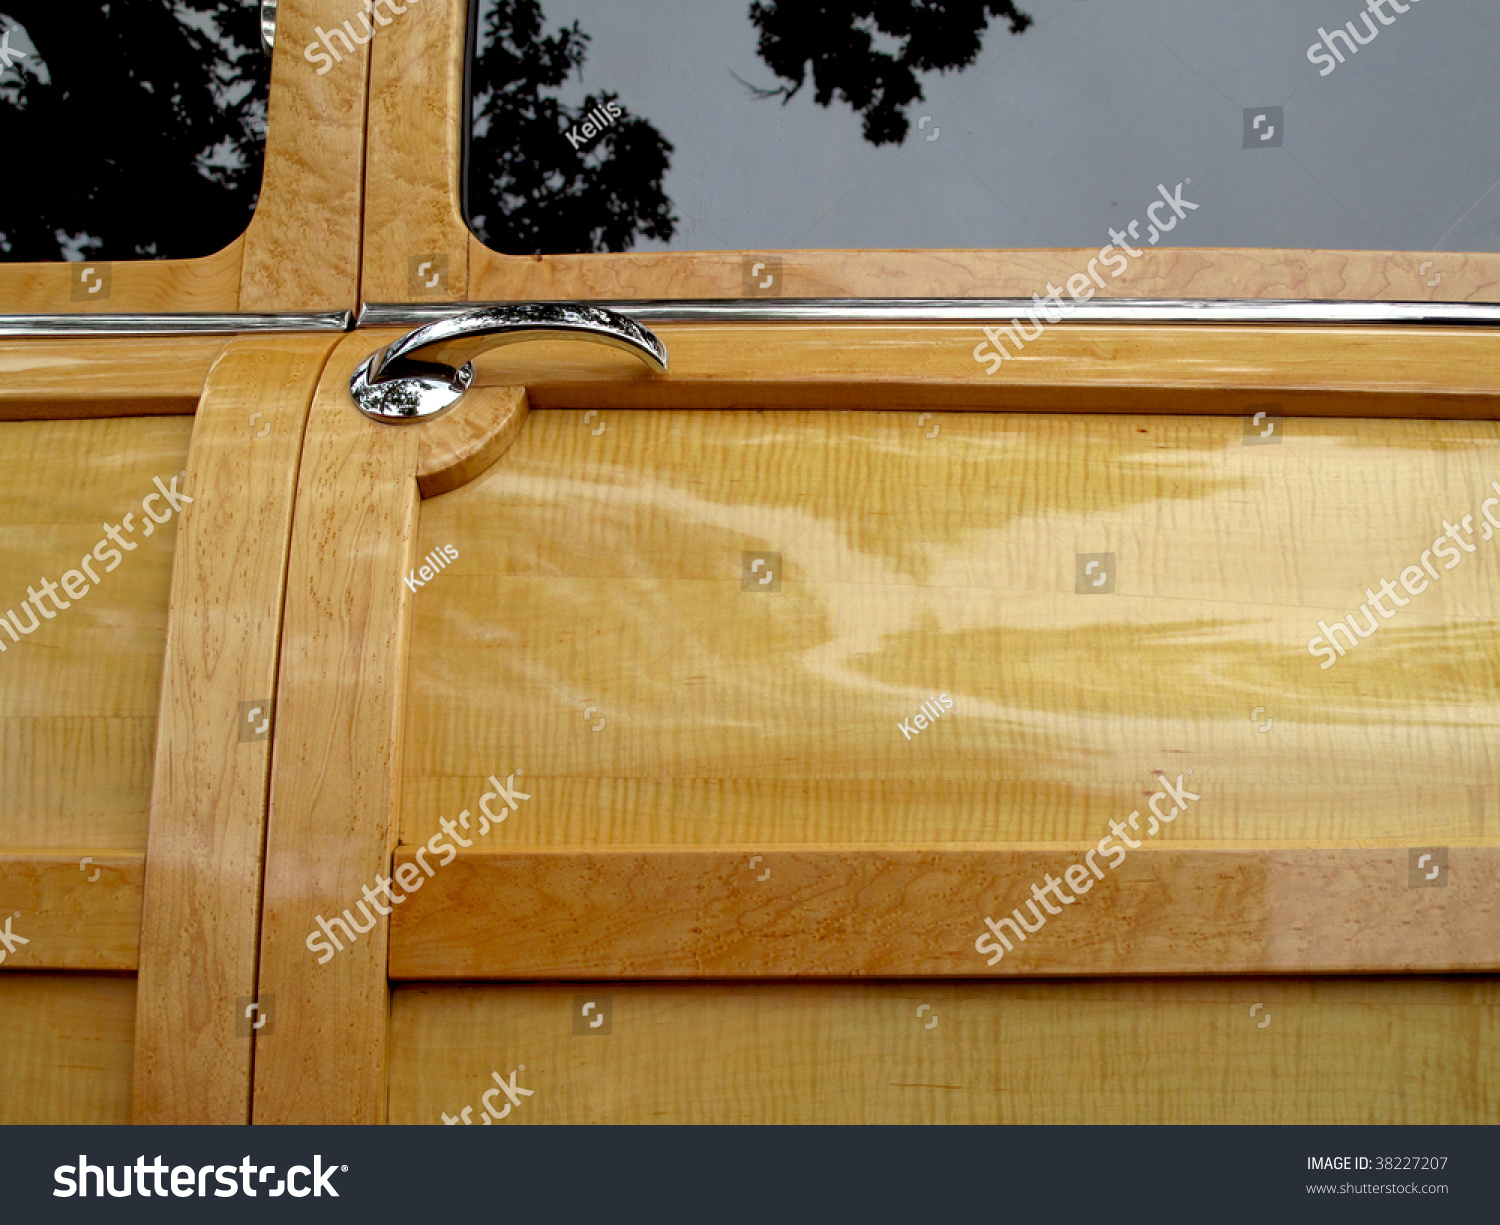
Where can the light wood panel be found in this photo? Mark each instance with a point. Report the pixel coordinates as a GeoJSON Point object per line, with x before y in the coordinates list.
{"type": "Point", "coordinates": [103, 377]}
{"type": "Point", "coordinates": [909, 913]}
{"type": "Point", "coordinates": [202, 903]}
{"type": "Point", "coordinates": [78, 695]}
{"type": "Point", "coordinates": [594, 638]}
{"type": "Point", "coordinates": [1354, 1051]}
{"type": "Point", "coordinates": [77, 910]}
{"type": "Point", "coordinates": [606, 569]}
{"type": "Point", "coordinates": [301, 249]}
{"type": "Point", "coordinates": [416, 119]}
{"type": "Point", "coordinates": [1308, 371]}
{"type": "Point", "coordinates": [65, 1048]}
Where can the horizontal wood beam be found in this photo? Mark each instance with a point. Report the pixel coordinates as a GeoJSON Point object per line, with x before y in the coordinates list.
{"type": "Point", "coordinates": [76, 910]}
{"type": "Point", "coordinates": [1309, 371]}
{"type": "Point", "coordinates": [103, 377]}
{"type": "Point", "coordinates": [824, 911]}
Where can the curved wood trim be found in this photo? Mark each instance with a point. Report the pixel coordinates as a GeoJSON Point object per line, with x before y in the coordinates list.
{"type": "Point", "coordinates": [463, 443]}
{"type": "Point", "coordinates": [301, 249]}
{"type": "Point", "coordinates": [200, 923]}
{"type": "Point", "coordinates": [414, 194]}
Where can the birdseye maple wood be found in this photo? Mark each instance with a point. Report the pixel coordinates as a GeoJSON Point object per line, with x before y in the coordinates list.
{"type": "Point", "coordinates": [200, 931]}
{"type": "Point", "coordinates": [337, 749]}
{"type": "Point", "coordinates": [413, 205]}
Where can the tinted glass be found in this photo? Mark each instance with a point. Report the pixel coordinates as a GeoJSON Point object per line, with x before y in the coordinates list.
{"type": "Point", "coordinates": [129, 129]}
{"type": "Point", "coordinates": [725, 124]}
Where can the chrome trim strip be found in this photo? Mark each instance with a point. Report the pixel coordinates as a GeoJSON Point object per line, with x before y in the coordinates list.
{"type": "Point", "coordinates": [40, 326]}
{"type": "Point", "coordinates": [984, 310]}
{"type": "Point", "coordinates": [268, 26]}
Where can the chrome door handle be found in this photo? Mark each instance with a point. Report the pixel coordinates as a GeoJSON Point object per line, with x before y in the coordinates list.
{"type": "Point", "coordinates": [427, 370]}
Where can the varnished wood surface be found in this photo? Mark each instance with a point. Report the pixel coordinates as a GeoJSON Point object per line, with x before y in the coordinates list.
{"type": "Point", "coordinates": [65, 1048]}
{"type": "Point", "coordinates": [76, 910]}
{"type": "Point", "coordinates": [200, 932]}
{"type": "Point", "coordinates": [413, 159]}
{"type": "Point", "coordinates": [78, 696]}
{"type": "Point", "coordinates": [1191, 272]}
{"type": "Point", "coordinates": [456, 448]}
{"type": "Point", "coordinates": [103, 377]}
{"type": "Point", "coordinates": [207, 283]}
{"type": "Point", "coordinates": [302, 247]}
{"type": "Point", "coordinates": [416, 119]}
{"type": "Point", "coordinates": [605, 568]}
{"type": "Point", "coordinates": [909, 913]}
{"type": "Point", "coordinates": [1352, 1051]}
{"type": "Point", "coordinates": [593, 635]}
{"type": "Point", "coordinates": [1329, 371]}
{"type": "Point", "coordinates": [336, 752]}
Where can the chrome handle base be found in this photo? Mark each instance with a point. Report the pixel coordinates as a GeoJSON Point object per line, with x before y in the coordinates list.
{"type": "Point", "coordinates": [426, 371]}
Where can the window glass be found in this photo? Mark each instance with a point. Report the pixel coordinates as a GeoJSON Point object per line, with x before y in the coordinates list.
{"type": "Point", "coordinates": [775, 124]}
{"type": "Point", "coordinates": [129, 128]}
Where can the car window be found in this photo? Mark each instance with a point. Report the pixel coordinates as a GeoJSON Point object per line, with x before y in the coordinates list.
{"type": "Point", "coordinates": [129, 128]}
{"type": "Point", "coordinates": [771, 124]}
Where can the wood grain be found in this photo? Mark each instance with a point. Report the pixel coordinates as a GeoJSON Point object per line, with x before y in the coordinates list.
{"type": "Point", "coordinates": [209, 283]}
{"type": "Point", "coordinates": [1308, 371]}
{"type": "Point", "coordinates": [875, 911]}
{"type": "Point", "coordinates": [302, 248]}
{"type": "Point", "coordinates": [1352, 1051]}
{"type": "Point", "coordinates": [104, 377]}
{"type": "Point", "coordinates": [455, 449]}
{"type": "Point", "coordinates": [1184, 272]}
{"type": "Point", "coordinates": [65, 1044]}
{"type": "Point", "coordinates": [414, 157]}
{"type": "Point", "coordinates": [200, 929]}
{"type": "Point", "coordinates": [78, 695]}
{"type": "Point", "coordinates": [78, 911]}
{"type": "Point", "coordinates": [595, 633]}
{"type": "Point", "coordinates": [338, 745]}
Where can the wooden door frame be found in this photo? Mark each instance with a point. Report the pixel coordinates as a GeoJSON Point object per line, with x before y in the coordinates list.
{"type": "Point", "coordinates": [338, 754]}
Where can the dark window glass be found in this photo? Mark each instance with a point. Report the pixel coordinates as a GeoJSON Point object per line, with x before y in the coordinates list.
{"type": "Point", "coordinates": [129, 129]}
{"type": "Point", "coordinates": [786, 124]}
